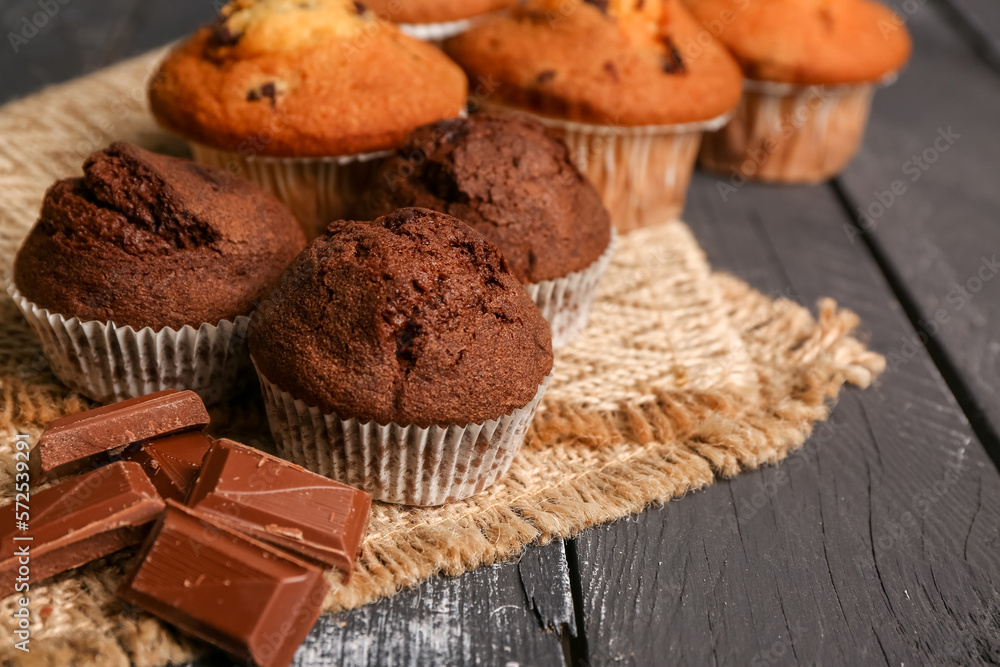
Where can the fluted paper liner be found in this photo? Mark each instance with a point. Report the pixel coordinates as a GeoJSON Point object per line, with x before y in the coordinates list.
{"type": "Point", "coordinates": [791, 134]}
{"type": "Point", "coordinates": [408, 465]}
{"type": "Point", "coordinates": [565, 301]}
{"type": "Point", "coordinates": [110, 363]}
{"type": "Point", "coordinates": [316, 190]}
{"type": "Point", "coordinates": [641, 172]}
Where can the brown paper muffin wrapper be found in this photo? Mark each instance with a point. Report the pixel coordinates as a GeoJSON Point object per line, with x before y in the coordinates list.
{"type": "Point", "coordinates": [316, 190]}
{"type": "Point", "coordinates": [791, 134]}
{"type": "Point", "coordinates": [407, 465]}
{"type": "Point", "coordinates": [642, 173]}
{"type": "Point", "coordinates": [565, 301]}
{"type": "Point", "coordinates": [108, 363]}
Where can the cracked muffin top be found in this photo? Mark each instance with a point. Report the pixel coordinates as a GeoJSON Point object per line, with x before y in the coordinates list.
{"type": "Point", "coordinates": [610, 62]}
{"type": "Point", "coordinates": [434, 11]}
{"type": "Point", "coordinates": [413, 318]}
{"type": "Point", "coordinates": [808, 42]}
{"type": "Point", "coordinates": [509, 178]}
{"type": "Point", "coordinates": [303, 78]}
{"type": "Point", "coordinates": [146, 240]}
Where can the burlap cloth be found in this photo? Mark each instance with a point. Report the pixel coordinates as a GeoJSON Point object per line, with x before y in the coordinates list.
{"type": "Point", "coordinates": [682, 376]}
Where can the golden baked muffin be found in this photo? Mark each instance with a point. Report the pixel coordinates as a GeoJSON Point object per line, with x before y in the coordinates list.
{"type": "Point", "coordinates": [625, 64]}
{"type": "Point", "coordinates": [303, 79]}
{"type": "Point", "coordinates": [434, 11]}
{"type": "Point", "coordinates": [811, 68]}
{"type": "Point", "coordinates": [304, 97]}
{"type": "Point", "coordinates": [630, 85]}
{"type": "Point", "coordinates": [808, 41]}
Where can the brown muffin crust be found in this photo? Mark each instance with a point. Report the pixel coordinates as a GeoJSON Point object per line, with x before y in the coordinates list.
{"type": "Point", "coordinates": [312, 79]}
{"type": "Point", "coordinates": [610, 63]}
{"type": "Point", "coordinates": [413, 319]}
{"type": "Point", "coordinates": [434, 11]}
{"type": "Point", "coordinates": [146, 240]}
{"type": "Point", "coordinates": [809, 43]}
{"type": "Point", "coordinates": [511, 180]}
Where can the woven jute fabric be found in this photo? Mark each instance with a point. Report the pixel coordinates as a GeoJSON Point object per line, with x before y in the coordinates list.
{"type": "Point", "coordinates": [683, 376]}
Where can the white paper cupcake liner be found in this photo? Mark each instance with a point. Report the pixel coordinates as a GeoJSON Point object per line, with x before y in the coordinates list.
{"type": "Point", "coordinates": [407, 465]}
{"type": "Point", "coordinates": [789, 133]}
{"type": "Point", "coordinates": [109, 363]}
{"type": "Point", "coordinates": [641, 172]}
{"type": "Point", "coordinates": [436, 32]}
{"type": "Point", "coordinates": [316, 190]}
{"type": "Point", "coordinates": [565, 302]}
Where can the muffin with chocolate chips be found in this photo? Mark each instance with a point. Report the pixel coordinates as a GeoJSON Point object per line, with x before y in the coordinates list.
{"type": "Point", "coordinates": [401, 356]}
{"type": "Point", "coordinates": [812, 69]}
{"type": "Point", "coordinates": [511, 179]}
{"type": "Point", "coordinates": [435, 20]}
{"type": "Point", "coordinates": [141, 275]}
{"type": "Point", "coordinates": [303, 97]}
{"type": "Point", "coordinates": [630, 84]}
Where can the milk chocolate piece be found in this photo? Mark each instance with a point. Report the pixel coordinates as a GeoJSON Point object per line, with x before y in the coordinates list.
{"type": "Point", "coordinates": [91, 438]}
{"type": "Point", "coordinates": [77, 521]}
{"type": "Point", "coordinates": [172, 463]}
{"type": "Point", "coordinates": [282, 504]}
{"type": "Point", "coordinates": [248, 598]}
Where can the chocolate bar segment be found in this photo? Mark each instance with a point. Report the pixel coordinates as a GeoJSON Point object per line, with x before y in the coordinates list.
{"type": "Point", "coordinates": [282, 504]}
{"type": "Point", "coordinates": [91, 438]}
{"type": "Point", "coordinates": [77, 521]}
{"type": "Point", "coordinates": [252, 600]}
{"type": "Point", "coordinates": [172, 463]}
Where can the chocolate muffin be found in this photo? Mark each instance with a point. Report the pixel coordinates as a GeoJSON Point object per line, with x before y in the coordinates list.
{"type": "Point", "coordinates": [143, 245]}
{"type": "Point", "coordinates": [510, 179]}
{"type": "Point", "coordinates": [147, 240]}
{"type": "Point", "coordinates": [401, 356]}
{"type": "Point", "coordinates": [413, 319]}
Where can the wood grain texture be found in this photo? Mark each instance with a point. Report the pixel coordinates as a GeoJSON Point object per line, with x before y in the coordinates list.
{"type": "Point", "coordinates": [491, 616]}
{"type": "Point", "coordinates": [875, 544]}
{"type": "Point", "coordinates": [938, 236]}
{"type": "Point", "coordinates": [980, 20]}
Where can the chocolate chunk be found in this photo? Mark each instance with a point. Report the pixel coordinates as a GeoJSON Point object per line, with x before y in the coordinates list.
{"type": "Point", "coordinates": [360, 7]}
{"type": "Point", "coordinates": [77, 521]}
{"type": "Point", "coordinates": [223, 35]}
{"type": "Point", "coordinates": [267, 90]}
{"type": "Point", "coordinates": [612, 71]}
{"type": "Point", "coordinates": [602, 5]}
{"type": "Point", "coordinates": [672, 63]}
{"type": "Point", "coordinates": [92, 438]}
{"type": "Point", "coordinates": [545, 76]}
{"type": "Point", "coordinates": [280, 503]}
{"type": "Point", "coordinates": [172, 463]}
{"type": "Point", "coordinates": [249, 599]}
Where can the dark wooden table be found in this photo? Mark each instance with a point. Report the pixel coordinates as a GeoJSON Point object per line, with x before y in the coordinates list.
{"type": "Point", "coordinates": [879, 541]}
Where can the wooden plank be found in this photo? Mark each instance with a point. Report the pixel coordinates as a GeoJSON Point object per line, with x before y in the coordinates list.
{"type": "Point", "coordinates": [493, 615]}
{"type": "Point", "coordinates": [54, 41]}
{"type": "Point", "coordinates": [980, 20]}
{"type": "Point", "coordinates": [938, 234]}
{"type": "Point", "coordinates": [874, 544]}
